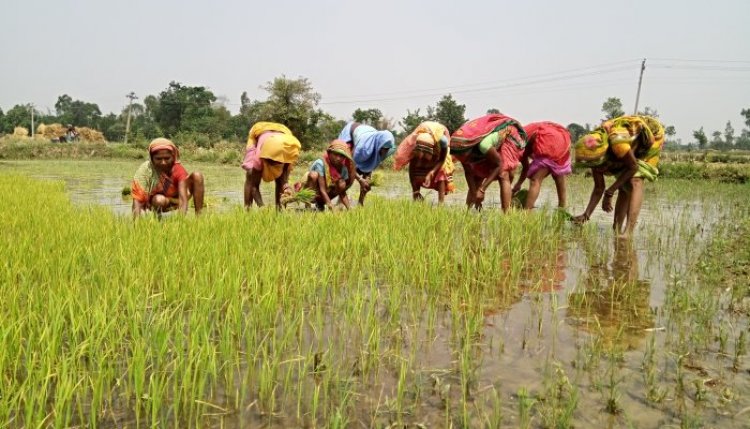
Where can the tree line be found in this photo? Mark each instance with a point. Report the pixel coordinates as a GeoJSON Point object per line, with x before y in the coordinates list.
{"type": "Point", "coordinates": [195, 114]}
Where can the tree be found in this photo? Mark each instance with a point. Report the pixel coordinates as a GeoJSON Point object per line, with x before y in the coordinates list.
{"type": "Point", "coordinates": [411, 120]}
{"type": "Point", "coordinates": [184, 108]}
{"type": "Point", "coordinates": [729, 134]}
{"type": "Point", "coordinates": [576, 131]}
{"type": "Point", "coordinates": [2, 121]}
{"type": "Point", "coordinates": [612, 108]}
{"type": "Point", "coordinates": [746, 114]}
{"type": "Point", "coordinates": [369, 116]}
{"type": "Point", "coordinates": [700, 138]}
{"type": "Point", "coordinates": [18, 116]}
{"type": "Point", "coordinates": [716, 140]}
{"type": "Point", "coordinates": [493, 110]}
{"type": "Point", "coordinates": [647, 111]}
{"type": "Point", "coordinates": [76, 112]}
{"type": "Point", "coordinates": [293, 102]}
{"type": "Point", "coordinates": [449, 113]}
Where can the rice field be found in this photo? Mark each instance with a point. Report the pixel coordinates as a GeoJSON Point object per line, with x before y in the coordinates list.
{"type": "Point", "coordinates": [396, 314]}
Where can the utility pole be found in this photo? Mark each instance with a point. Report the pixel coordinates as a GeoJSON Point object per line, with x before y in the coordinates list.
{"type": "Point", "coordinates": [640, 80]}
{"type": "Point", "coordinates": [132, 97]}
{"type": "Point", "coordinates": [32, 120]}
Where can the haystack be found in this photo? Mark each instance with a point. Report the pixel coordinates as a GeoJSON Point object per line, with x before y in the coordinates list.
{"type": "Point", "coordinates": [20, 132]}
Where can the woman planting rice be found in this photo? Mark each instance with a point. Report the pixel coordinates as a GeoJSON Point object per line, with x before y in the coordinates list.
{"type": "Point", "coordinates": [489, 148]}
{"type": "Point", "coordinates": [328, 176]}
{"type": "Point", "coordinates": [162, 183]}
{"type": "Point", "coordinates": [548, 147]}
{"type": "Point", "coordinates": [426, 152]}
{"type": "Point", "coordinates": [627, 147]}
{"type": "Point", "coordinates": [270, 154]}
{"type": "Point", "coordinates": [369, 147]}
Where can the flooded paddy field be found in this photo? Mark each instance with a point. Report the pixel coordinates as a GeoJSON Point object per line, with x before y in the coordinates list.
{"type": "Point", "coordinates": [396, 314]}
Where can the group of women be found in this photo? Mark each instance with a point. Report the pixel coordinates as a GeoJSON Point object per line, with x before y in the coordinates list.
{"type": "Point", "coordinates": [489, 148]}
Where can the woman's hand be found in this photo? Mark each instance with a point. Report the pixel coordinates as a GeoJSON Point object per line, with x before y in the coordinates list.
{"type": "Point", "coordinates": [479, 196]}
{"type": "Point", "coordinates": [581, 219]}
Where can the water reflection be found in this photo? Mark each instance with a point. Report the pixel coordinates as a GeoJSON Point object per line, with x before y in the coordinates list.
{"type": "Point", "coordinates": [611, 300]}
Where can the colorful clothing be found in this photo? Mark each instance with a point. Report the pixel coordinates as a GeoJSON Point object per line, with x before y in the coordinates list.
{"type": "Point", "coordinates": [606, 145]}
{"type": "Point", "coordinates": [550, 148]}
{"type": "Point", "coordinates": [269, 141]}
{"type": "Point", "coordinates": [470, 143]}
{"type": "Point", "coordinates": [327, 170]}
{"type": "Point", "coordinates": [148, 182]}
{"type": "Point", "coordinates": [366, 143]}
{"type": "Point", "coordinates": [430, 138]}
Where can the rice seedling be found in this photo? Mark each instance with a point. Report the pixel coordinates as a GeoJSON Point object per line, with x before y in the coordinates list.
{"type": "Point", "coordinates": [391, 314]}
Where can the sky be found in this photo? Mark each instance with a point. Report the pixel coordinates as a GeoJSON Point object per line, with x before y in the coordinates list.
{"type": "Point", "coordinates": [533, 60]}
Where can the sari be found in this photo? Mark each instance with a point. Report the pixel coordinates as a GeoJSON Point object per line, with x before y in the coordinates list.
{"type": "Point", "coordinates": [148, 181]}
{"type": "Point", "coordinates": [269, 141]}
{"type": "Point", "coordinates": [502, 132]}
{"type": "Point", "coordinates": [366, 145]}
{"type": "Point", "coordinates": [550, 148]}
{"type": "Point", "coordinates": [427, 138]}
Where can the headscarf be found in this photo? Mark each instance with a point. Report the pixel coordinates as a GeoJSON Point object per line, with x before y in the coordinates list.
{"type": "Point", "coordinates": [162, 143]}
{"type": "Point", "coordinates": [591, 149]}
{"type": "Point", "coordinates": [367, 145]}
{"type": "Point", "coordinates": [148, 181]}
{"type": "Point", "coordinates": [426, 137]}
{"type": "Point", "coordinates": [340, 147]}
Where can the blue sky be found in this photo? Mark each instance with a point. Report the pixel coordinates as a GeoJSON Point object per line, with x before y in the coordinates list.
{"type": "Point", "coordinates": [533, 60]}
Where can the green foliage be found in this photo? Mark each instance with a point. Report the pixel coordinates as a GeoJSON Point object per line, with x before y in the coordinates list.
{"type": "Point", "coordinates": [411, 120]}
{"type": "Point", "coordinates": [293, 102]}
{"type": "Point", "coordinates": [18, 116]}
{"type": "Point", "coordinates": [184, 108]}
{"type": "Point", "coordinates": [700, 138]}
{"type": "Point", "coordinates": [746, 114]}
{"type": "Point", "coordinates": [449, 113]}
{"type": "Point", "coordinates": [612, 108]}
{"type": "Point", "coordinates": [76, 112]}
{"type": "Point", "coordinates": [368, 116]}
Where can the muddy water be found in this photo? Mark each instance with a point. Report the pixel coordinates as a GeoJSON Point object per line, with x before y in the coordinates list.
{"type": "Point", "coordinates": [600, 296]}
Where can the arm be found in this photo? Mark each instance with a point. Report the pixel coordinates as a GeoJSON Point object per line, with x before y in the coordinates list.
{"type": "Point", "coordinates": [138, 208]}
{"type": "Point", "coordinates": [437, 167]}
{"type": "Point", "coordinates": [352, 174]}
{"type": "Point", "coordinates": [631, 165]}
{"type": "Point", "coordinates": [183, 196]}
{"type": "Point", "coordinates": [255, 176]}
{"type": "Point", "coordinates": [322, 188]}
{"type": "Point", "coordinates": [596, 195]}
{"type": "Point", "coordinates": [524, 168]}
{"type": "Point", "coordinates": [496, 160]}
{"type": "Point", "coordinates": [281, 183]}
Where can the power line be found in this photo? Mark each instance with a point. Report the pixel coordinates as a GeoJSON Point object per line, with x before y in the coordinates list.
{"type": "Point", "coordinates": [482, 89]}
{"type": "Point", "coordinates": [493, 82]}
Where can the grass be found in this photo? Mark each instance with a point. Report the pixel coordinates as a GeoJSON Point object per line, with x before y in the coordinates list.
{"type": "Point", "coordinates": [395, 314]}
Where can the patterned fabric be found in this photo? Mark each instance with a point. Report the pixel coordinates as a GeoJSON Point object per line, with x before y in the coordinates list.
{"type": "Point", "coordinates": [269, 141]}
{"type": "Point", "coordinates": [148, 181]}
{"type": "Point", "coordinates": [643, 135]}
{"type": "Point", "coordinates": [473, 132]}
{"type": "Point", "coordinates": [367, 143]}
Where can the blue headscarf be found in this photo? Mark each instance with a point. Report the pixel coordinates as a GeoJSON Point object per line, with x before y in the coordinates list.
{"type": "Point", "coordinates": [367, 145]}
